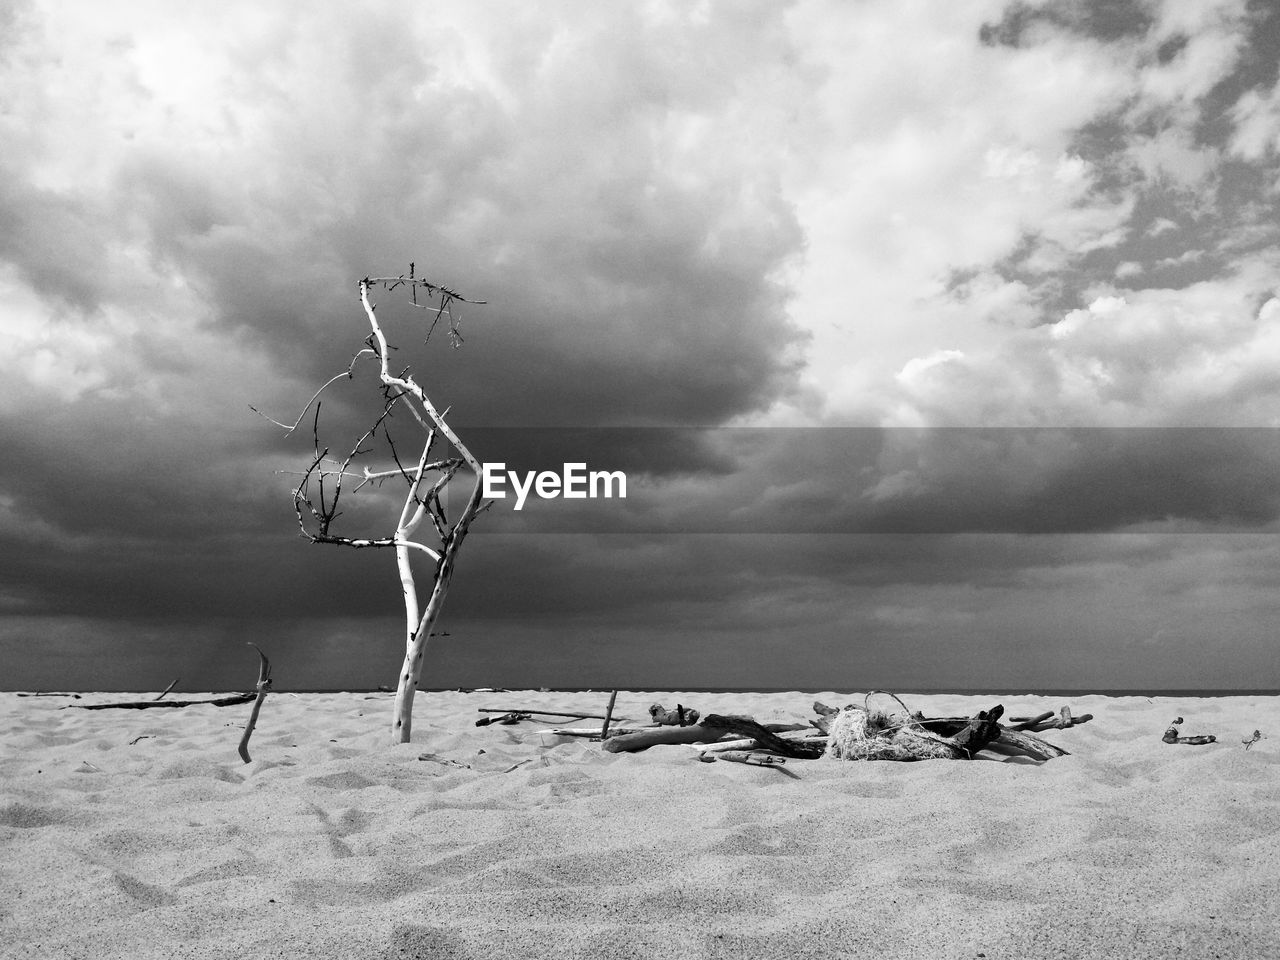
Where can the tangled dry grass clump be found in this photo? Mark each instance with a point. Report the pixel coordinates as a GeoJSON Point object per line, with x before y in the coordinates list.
{"type": "Point", "coordinates": [863, 733]}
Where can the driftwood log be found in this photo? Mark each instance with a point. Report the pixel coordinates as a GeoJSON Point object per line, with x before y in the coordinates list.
{"type": "Point", "coordinates": [596, 732]}
{"type": "Point", "coordinates": [825, 715]}
{"type": "Point", "coordinates": [765, 735]}
{"type": "Point", "coordinates": [681, 716]}
{"type": "Point", "coordinates": [712, 728]}
{"type": "Point", "coordinates": [750, 743]}
{"type": "Point", "coordinates": [1007, 741]}
{"type": "Point", "coordinates": [1047, 721]}
{"type": "Point", "coordinates": [1174, 735]}
{"type": "Point", "coordinates": [982, 728]}
{"type": "Point", "coordinates": [1016, 743]}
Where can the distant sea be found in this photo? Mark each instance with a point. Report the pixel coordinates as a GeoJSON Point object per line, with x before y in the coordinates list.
{"type": "Point", "coordinates": [916, 691]}
{"type": "Point", "coordinates": [924, 691]}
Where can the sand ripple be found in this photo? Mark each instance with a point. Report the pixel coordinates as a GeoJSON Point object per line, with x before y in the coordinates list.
{"type": "Point", "coordinates": [124, 834]}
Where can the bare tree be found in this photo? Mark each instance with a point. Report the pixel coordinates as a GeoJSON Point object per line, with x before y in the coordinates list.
{"type": "Point", "coordinates": [316, 498]}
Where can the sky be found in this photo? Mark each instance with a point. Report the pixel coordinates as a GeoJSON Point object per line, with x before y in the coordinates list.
{"type": "Point", "coordinates": [939, 342]}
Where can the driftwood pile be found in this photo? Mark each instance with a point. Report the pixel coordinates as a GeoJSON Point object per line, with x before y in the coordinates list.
{"type": "Point", "coordinates": [854, 732]}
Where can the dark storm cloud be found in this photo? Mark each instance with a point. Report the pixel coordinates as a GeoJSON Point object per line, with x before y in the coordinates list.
{"type": "Point", "coordinates": [1104, 19]}
{"type": "Point", "coordinates": [947, 480]}
{"type": "Point", "coordinates": [614, 294]}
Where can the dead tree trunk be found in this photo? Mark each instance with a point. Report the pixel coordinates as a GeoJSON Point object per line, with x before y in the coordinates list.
{"type": "Point", "coordinates": [317, 506]}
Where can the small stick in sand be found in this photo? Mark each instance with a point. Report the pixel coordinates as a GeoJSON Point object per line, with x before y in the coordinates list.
{"type": "Point", "coordinates": [168, 688]}
{"type": "Point", "coordinates": [456, 763]}
{"type": "Point", "coordinates": [758, 760]}
{"type": "Point", "coordinates": [506, 718]}
{"type": "Point", "coordinates": [264, 684]}
{"type": "Point", "coordinates": [541, 713]}
{"type": "Point", "coordinates": [38, 693]}
{"type": "Point", "coordinates": [608, 715]}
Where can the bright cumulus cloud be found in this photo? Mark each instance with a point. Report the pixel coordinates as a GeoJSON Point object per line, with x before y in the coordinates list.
{"type": "Point", "coordinates": [1057, 177]}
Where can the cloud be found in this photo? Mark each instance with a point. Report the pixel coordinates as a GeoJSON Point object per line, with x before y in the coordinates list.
{"type": "Point", "coordinates": [883, 215]}
{"type": "Point", "coordinates": [1257, 119]}
{"type": "Point", "coordinates": [1202, 355]}
{"type": "Point", "coordinates": [514, 160]}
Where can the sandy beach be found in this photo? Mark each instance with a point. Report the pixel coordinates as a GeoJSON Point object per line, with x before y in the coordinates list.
{"type": "Point", "coordinates": [141, 834]}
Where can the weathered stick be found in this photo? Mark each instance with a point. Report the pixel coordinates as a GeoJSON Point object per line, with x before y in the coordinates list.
{"type": "Point", "coordinates": [1023, 723]}
{"type": "Point", "coordinates": [748, 743]}
{"type": "Point", "coordinates": [506, 718]}
{"type": "Point", "coordinates": [608, 715]}
{"type": "Point", "coordinates": [264, 684]}
{"type": "Point", "coordinates": [39, 693]}
{"type": "Point", "coordinates": [167, 689]}
{"type": "Point", "coordinates": [644, 739]}
{"type": "Point", "coordinates": [767, 738]}
{"type": "Point", "coordinates": [1016, 740]}
{"type": "Point", "coordinates": [1025, 743]}
{"type": "Point", "coordinates": [544, 713]}
{"type": "Point", "coordinates": [231, 701]}
{"type": "Point", "coordinates": [594, 731]}
{"type": "Point", "coordinates": [981, 729]}
{"type": "Point", "coordinates": [758, 760]}
{"type": "Point", "coordinates": [1047, 721]}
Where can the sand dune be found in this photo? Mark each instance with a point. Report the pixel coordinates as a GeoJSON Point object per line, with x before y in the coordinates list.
{"type": "Point", "coordinates": [141, 834]}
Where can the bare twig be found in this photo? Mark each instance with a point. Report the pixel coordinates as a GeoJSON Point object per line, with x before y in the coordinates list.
{"type": "Point", "coordinates": [756, 760]}
{"type": "Point", "coordinates": [337, 376]}
{"type": "Point", "coordinates": [544, 713]}
{"type": "Point", "coordinates": [264, 684]}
